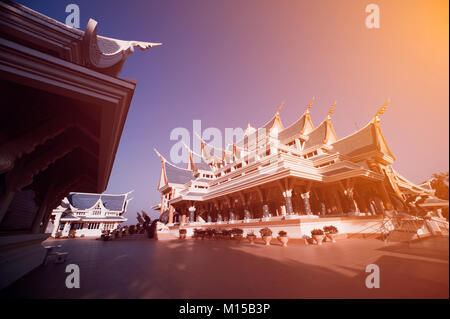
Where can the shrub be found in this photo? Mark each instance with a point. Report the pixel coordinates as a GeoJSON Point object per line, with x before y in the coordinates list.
{"type": "Point", "coordinates": [182, 231]}
{"type": "Point", "coordinates": [317, 232]}
{"type": "Point", "coordinates": [265, 232]}
{"type": "Point", "coordinates": [237, 231]}
{"type": "Point", "coordinates": [251, 234]}
{"type": "Point", "coordinates": [330, 229]}
{"type": "Point", "coordinates": [282, 233]}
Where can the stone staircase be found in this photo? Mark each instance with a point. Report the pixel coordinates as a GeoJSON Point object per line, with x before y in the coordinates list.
{"type": "Point", "coordinates": [407, 228]}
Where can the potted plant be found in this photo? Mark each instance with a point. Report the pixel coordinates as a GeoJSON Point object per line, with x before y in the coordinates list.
{"type": "Point", "coordinates": [72, 234]}
{"type": "Point", "coordinates": [58, 234]}
{"type": "Point", "coordinates": [226, 234]}
{"type": "Point", "coordinates": [211, 232]}
{"type": "Point", "coordinates": [217, 234]}
{"type": "Point", "coordinates": [251, 237]}
{"type": "Point", "coordinates": [318, 235]}
{"type": "Point", "coordinates": [283, 238]}
{"type": "Point", "coordinates": [182, 233]}
{"type": "Point", "coordinates": [266, 235]}
{"type": "Point", "coordinates": [106, 235]}
{"type": "Point", "coordinates": [330, 232]}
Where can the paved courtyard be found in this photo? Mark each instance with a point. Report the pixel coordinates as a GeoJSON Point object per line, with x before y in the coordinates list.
{"type": "Point", "coordinates": [144, 268]}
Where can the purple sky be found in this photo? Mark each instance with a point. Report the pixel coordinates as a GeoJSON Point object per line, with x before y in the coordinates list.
{"type": "Point", "coordinates": [227, 62]}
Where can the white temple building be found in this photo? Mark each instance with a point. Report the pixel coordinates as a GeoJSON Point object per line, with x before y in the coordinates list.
{"type": "Point", "coordinates": [84, 214]}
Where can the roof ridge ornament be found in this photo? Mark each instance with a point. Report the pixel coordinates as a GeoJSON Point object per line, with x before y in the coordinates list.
{"type": "Point", "coordinates": [331, 111]}
{"type": "Point", "coordinates": [108, 55]}
{"type": "Point", "coordinates": [279, 108]}
{"type": "Point", "coordinates": [381, 110]}
{"type": "Point", "coordinates": [159, 154]}
{"type": "Point", "coordinates": [310, 104]}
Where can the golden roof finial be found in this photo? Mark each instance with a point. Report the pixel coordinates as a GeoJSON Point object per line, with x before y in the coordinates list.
{"type": "Point", "coordinates": [310, 104]}
{"type": "Point", "coordinates": [280, 107]}
{"type": "Point", "coordinates": [383, 108]}
{"type": "Point", "coordinates": [331, 109]}
{"type": "Point", "coordinates": [248, 124]}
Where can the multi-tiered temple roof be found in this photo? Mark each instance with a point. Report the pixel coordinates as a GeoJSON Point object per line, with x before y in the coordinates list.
{"type": "Point", "coordinates": [275, 157]}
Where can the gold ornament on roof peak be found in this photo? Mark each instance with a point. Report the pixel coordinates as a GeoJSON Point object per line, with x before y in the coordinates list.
{"type": "Point", "coordinates": [331, 109]}
{"type": "Point", "coordinates": [383, 108]}
{"type": "Point", "coordinates": [280, 107]}
{"type": "Point", "coordinates": [310, 104]}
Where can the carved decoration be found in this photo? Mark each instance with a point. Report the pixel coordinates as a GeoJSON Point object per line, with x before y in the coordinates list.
{"type": "Point", "coordinates": [107, 54]}
{"type": "Point", "coordinates": [23, 174]}
{"type": "Point", "coordinates": [27, 143]}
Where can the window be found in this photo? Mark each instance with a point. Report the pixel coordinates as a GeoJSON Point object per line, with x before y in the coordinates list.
{"type": "Point", "coordinates": [76, 226]}
{"type": "Point", "coordinates": [93, 225]}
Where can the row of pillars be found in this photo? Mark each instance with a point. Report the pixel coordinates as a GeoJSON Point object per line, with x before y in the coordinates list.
{"type": "Point", "coordinates": [265, 208]}
{"type": "Point", "coordinates": [287, 209]}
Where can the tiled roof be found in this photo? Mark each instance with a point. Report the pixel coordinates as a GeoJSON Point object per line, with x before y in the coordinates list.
{"type": "Point", "coordinates": [200, 163]}
{"type": "Point", "coordinates": [203, 166]}
{"type": "Point", "coordinates": [317, 136]}
{"type": "Point", "coordinates": [113, 202]}
{"type": "Point", "coordinates": [178, 175]}
{"type": "Point", "coordinates": [293, 129]}
{"type": "Point", "coordinates": [83, 201]}
{"type": "Point", "coordinates": [86, 201]}
{"type": "Point", "coordinates": [272, 121]}
{"type": "Point", "coordinates": [357, 143]}
{"type": "Point", "coordinates": [269, 124]}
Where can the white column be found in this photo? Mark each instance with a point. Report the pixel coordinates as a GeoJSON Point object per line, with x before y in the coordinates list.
{"type": "Point", "coordinates": [66, 229]}
{"type": "Point", "coordinates": [56, 224]}
{"type": "Point", "coordinates": [192, 214]}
